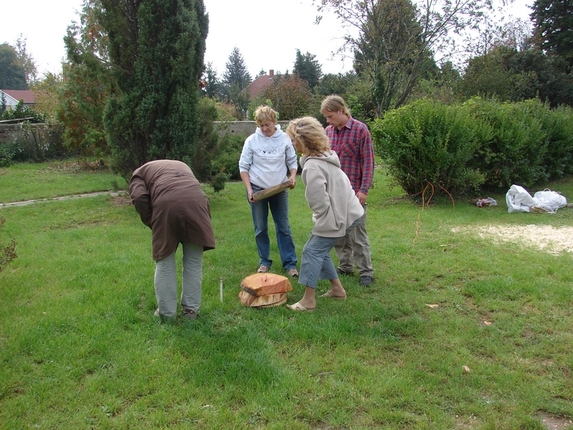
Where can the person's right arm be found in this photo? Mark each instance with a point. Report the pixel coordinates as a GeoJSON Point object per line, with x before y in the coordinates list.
{"type": "Point", "coordinates": [247, 181]}
{"type": "Point", "coordinates": [245, 162]}
{"type": "Point", "coordinates": [141, 199]}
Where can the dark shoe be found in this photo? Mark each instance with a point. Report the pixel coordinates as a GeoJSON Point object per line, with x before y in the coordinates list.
{"type": "Point", "coordinates": [344, 272]}
{"type": "Point", "coordinates": [190, 314]}
{"type": "Point", "coordinates": [366, 280]}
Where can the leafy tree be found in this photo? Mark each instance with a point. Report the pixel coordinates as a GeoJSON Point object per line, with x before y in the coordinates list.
{"type": "Point", "coordinates": [511, 75]}
{"type": "Point", "coordinates": [236, 73]}
{"type": "Point", "coordinates": [335, 83]}
{"type": "Point", "coordinates": [211, 85]}
{"type": "Point", "coordinates": [515, 34]}
{"type": "Point", "coordinates": [488, 76]}
{"type": "Point", "coordinates": [87, 83]}
{"type": "Point", "coordinates": [26, 60]}
{"type": "Point", "coordinates": [553, 21]}
{"type": "Point", "coordinates": [388, 51]}
{"type": "Point", "coordinates": [46, 95]}
{"type": "Point", "coordinates": [396, 40]}
{"type": "Point", "coordinates": [289, 95]}
{"type": "Point", "coordinates": [440, 85]}
{"type": "Point", "coordinates": [306, 67]}
{"type": "Point", "coordinates": [156, 48]}
{"type": "Point", "coordinates": [12, 73]}
{"type": "Point", "coordinates": [235, 80]}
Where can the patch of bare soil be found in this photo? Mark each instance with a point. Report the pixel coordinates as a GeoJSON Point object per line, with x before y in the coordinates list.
{"type": "Point", "coordinates": [121, 199]}
{"type": "Point", "coordinates": [554, 422]}
{"type": "Point", "coordinates": [544, 237]}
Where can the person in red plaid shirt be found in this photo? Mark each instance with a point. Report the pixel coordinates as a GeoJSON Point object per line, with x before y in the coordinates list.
{"type": "Point", "coordinates": [351, 141]}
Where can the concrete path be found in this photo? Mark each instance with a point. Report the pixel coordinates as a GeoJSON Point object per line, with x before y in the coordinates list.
{"type": "Point", "coordinates": [74, 196]}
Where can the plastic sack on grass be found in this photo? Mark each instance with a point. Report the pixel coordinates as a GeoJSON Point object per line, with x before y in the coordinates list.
{"type": "Point", "coordinates": [519, 200]}
{"type": "Point", "coordinates": [549, 200]}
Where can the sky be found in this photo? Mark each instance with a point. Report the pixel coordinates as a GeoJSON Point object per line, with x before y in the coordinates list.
{"type": "Point", "coordinates": [266, 32]}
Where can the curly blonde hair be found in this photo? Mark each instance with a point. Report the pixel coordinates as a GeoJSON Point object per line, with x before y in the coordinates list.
{"type": "Point", "coordinates": [309, 133]}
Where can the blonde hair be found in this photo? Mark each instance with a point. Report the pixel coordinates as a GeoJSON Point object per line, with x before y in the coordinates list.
{"type": "Point", "coordinates": [334, 103]}
{"type": "Point", "coordinates": [264, 114]}
{"type": "Point", "coordinates": [308, 132]}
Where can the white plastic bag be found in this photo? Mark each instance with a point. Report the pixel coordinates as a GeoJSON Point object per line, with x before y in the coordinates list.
{"type": "Point", "coordinates": [549, 200]}
{"type": "Point", "coordinates": [518, 199]}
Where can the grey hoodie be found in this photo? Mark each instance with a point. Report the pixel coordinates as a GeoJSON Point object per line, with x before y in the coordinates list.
{"type": "Point", "coordinates": [329, 195]}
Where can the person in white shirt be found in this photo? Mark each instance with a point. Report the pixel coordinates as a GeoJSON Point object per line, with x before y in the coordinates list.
{"type": "Point", "coordinates": [268, 159]}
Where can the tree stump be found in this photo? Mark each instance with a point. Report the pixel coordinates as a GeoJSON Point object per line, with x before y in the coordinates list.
{"type": "Point", "coordinates": [263, 290]}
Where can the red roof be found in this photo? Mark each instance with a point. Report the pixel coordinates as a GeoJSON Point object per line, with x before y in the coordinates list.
{"type": "Point", "coordinates": [259, 84]}
{"type": "Point", "coordinates": [26, 95]}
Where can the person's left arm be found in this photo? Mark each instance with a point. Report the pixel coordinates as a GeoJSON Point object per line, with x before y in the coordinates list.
{"type": "Point", "coordinates": [291, 162]}
{"type": "Point", "coordinates": [367, 162]}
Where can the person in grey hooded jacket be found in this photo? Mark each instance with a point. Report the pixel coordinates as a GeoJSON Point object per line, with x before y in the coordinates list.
{"type": "Point", "coordinates": [335, 209]}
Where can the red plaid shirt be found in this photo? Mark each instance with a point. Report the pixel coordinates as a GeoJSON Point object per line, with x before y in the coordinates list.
{"type": "Point", "coordinates": [353, 145]}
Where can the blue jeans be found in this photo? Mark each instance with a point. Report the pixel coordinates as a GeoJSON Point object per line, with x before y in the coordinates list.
{"type": "Point", "coordinates": [316, 261]}
{"type": "Point", "coordinates": [279, 210]}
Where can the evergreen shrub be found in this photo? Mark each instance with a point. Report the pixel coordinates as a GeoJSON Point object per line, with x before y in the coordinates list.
{"type": "Point", "coordinates": [475, 146]}
{"type": "Point", "coordinates": [515, 151]}
{"type": "Point", "coordinates": [429, 144]}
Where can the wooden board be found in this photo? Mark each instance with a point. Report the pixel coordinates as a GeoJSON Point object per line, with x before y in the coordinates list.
{"type": "Point", "coordinates": [271, 191]}
{"type": "Point", "coordinates": [263, 284]}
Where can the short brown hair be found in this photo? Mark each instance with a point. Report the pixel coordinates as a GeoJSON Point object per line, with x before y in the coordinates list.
{"type": "Point", "coordinates": [308, 131]}
{"type": "Point", "coordinates": [334, 103]}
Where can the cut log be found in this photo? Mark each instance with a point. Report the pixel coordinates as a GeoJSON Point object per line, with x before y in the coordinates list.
{"type": "Point", "coordinates": [263, 284]}
{"type": "Point", "coordinates": [267, 301]}
{"type": "Point", "coordinates": [271, 191]}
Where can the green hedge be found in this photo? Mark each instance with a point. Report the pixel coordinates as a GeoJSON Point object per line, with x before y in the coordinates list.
{"type": "Point", "coordinates": [479, 145]}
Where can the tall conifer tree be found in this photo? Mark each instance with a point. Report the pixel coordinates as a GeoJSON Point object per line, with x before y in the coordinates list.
{"type": "Point", "coordinates": [156, 49]}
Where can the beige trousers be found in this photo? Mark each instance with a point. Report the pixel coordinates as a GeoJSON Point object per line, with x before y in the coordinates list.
{"type": "Point", "coordinates": [354, 249]}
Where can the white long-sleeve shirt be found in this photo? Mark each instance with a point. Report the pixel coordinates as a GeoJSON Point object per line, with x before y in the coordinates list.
{"type": "Point", "coordinates": [268, 160]}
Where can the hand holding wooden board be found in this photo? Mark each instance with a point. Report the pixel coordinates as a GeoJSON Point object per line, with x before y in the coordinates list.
{"type": "Point", "coordinates": [271, 191]}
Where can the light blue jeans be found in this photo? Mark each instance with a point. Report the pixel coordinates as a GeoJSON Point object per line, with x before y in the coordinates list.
{"type": "Point", "coordinates": [316, 263]}
{"type": "Point", "coordinates": [278, 205]}
{"type": "Point", "coordinates": [166, 280]}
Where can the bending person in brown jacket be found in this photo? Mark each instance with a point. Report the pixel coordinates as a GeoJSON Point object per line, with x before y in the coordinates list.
{"type": "Point", "coordinates": [170, 201]}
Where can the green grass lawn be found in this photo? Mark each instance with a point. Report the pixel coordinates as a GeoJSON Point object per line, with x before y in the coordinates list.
{"type": "Point", "coordinates": [80, 348]}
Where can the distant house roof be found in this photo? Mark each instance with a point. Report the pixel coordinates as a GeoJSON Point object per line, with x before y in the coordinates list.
{"type": "Point", "coordinates": [14, 96]}
{"type": "Point", "coordinates": [259, 84]}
